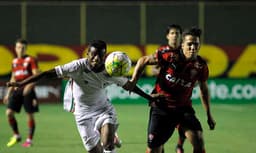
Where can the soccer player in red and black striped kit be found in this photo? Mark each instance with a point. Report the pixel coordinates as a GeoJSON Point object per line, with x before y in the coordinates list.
{"type": "Point", "coordinates": [173, 36]}
{"type": "Point", "coordinates": [179, 72]}
{"type": "Point", "coordinates": [23, 66]}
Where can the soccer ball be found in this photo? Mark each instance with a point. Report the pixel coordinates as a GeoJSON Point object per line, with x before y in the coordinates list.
{"type": "Point", "coordinates": [117, 64]}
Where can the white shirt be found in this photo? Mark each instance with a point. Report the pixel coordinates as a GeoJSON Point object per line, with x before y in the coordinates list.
{"type": "Point", "coordinates": [89, 91]}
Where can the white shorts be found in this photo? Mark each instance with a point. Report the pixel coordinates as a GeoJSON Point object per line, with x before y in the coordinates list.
{"type": "Point", "coordinates": [89, 127]}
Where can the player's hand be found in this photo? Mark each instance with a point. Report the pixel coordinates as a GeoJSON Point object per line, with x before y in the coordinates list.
{"type": "Point", "coordinates": [130, 85]}
{"type": "Point", "coordinates": [13, 84]}
{"type": "Point", "coordinates": [211, 122]}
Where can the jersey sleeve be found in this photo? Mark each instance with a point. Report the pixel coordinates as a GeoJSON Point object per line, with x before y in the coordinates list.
{"type": "Point", "coordinates": [165, 56]}
{"type": "Point", "coordinates": [159, 56]}
{"type": "Point", "coordinates": [205, 73]}
{"type": "Point", "coordinates": [14, 62]}
{"type": "Point", "coordinates": [33, 62]}
{"type": "Point", "coordinates": [68, 69]}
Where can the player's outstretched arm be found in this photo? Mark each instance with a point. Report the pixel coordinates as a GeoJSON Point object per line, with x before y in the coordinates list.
{"type": "Point", "coordinates": [47, 74]}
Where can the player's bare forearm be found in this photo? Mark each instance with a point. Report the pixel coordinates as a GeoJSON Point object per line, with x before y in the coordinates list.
{"type": "Point", "coordinates": [138, 91]}
{"type": "Point", "coordinates": [205, 96]}
{"type": "Point", "coordinates": [34, 72]}
{"type": "Point", "coordinates": [10, 89]}
{"type": "Point", "coordinates": [140, 66]}
{"type": "Point", "coordinates": [129, 86]}
{"type": "Point", "coordinates": [138, 70]}
{"type": "Point", "coordinates": [47, 74]}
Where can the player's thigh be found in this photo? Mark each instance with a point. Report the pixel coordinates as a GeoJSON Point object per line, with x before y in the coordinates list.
{"type": "Point", "coordinates": [30, 102]}
{"type": "Point", "coordinates": [193, 129]}
{"type": "Point", "coordinates": [161, 126]}
{"type": "Point", "coordinates": [107, 124]}
{"type": "Point", "coordinates": [89, 135]}
{"type": "Point", "coordinates": [107, 117]}
{"type": "Point", "coordinates": [190, 122]}
{"type": "Point", "coordinates": [15, 101]}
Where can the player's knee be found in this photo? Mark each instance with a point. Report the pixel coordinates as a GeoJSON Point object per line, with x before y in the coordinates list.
{"type": "Point", "coordinates": [9, 113]}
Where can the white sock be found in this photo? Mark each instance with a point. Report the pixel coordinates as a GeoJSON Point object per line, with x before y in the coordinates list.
{"type": "Point", "coordinates": [109, 151]}
{"type": "Point", "coordinates": [28, 140]}
{"type": "Point", "coordinates": [17, 136]}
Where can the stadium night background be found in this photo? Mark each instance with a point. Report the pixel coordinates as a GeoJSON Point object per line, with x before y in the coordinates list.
{"type": "Point", "coordinates": [58, 33]}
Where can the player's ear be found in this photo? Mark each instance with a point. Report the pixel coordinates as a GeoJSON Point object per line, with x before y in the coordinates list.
{"type": "Point", "coordinates": [88, 50]}
{"type": "Point", "coordinates": [199, 43]}
{"type": "Point", "coordinates": [167, 36]}
{"type": "Point", "coordinates": [182, 44]}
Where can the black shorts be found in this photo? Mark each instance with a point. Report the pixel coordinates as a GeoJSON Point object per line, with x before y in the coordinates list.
{"type": "Point", "coordinates": [29, 101]}
{"type": "Point", "coordinates": [162, 123]}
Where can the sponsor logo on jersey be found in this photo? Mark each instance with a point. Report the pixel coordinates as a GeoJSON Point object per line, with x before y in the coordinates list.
{"type": "Point", "coordinates": [25, 64]}
{"type": "Point", "coordinates": [178, 81]}
{"type": "Point", "coordinates": [21, 72]}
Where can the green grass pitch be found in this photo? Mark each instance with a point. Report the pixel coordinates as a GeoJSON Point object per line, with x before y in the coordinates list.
{"type": "Point", "coordinates": [56, 131]}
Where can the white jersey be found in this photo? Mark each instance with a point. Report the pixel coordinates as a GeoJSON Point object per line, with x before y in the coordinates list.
{"type": "Point", "coordinates": [89, 91]}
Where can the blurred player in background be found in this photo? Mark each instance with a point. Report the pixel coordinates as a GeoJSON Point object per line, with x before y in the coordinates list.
{"type": "Point", "coordinates": [94, 114]}
{"type": "Point", "coordinates": [179, 72]}
{"type": "Point", "coordinates": [23, 66]}
{"type": "Point", "coordinates": [173, 36]}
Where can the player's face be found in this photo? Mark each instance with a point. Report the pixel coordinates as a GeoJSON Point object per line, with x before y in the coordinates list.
{"type": "Point", "coordinates": [174, 37]}
{"type": "Point", "coordinates": [20, 49]}
{"type": "Point", "coordinates": [190, 46]}
{"type": "Point", "coordinates": [96, 58]}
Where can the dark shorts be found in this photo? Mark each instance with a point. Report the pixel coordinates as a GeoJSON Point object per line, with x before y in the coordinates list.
{"type": "Point", "coordinates": [162, 123]}
{"type": "Point", "coordinates": [29, 101]}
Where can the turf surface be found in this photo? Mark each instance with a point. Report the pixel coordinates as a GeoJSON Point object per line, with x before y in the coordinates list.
{"type": "Point", "coordinates": [56, 131]}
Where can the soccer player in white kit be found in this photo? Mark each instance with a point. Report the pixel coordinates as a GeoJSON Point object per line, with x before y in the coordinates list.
{"type": "Point", "coordinates": [95, 116]}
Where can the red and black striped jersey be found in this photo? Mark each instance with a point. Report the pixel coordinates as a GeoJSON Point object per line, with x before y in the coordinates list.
{"type": "Point", "coordinates": [177, 77]}
{"type": "Point", "coordinates": [22, 67]}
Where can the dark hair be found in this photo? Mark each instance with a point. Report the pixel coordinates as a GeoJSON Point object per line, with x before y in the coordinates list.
{"type": "Point", "coordinates": [193, 31]}
{"type": "Point", "coordinates": [99, 44]}
{"type": "Point", "coordinates": [173, 26]}
{"type": "Point", "coordinates": [22, 41]}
